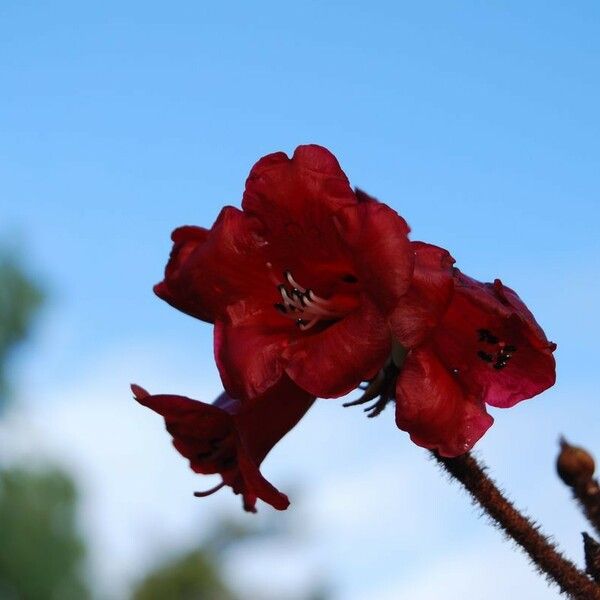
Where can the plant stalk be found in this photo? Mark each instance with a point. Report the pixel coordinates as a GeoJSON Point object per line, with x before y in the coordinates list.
{"type": "Point", "coordinates": [543, 553]}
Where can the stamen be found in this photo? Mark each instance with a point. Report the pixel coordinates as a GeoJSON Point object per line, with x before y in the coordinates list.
{"type": "Point", "coordinates": [304, 306]}
{"type": "Point", "coordinates": [316, 299]}
{"type": "Point", "coordinates": [293, 282]}
{"type": "Point", "coordinates": [304, 325]}
{"type": "Point", "coordinates": [317, 310]}
{"type": "Point", "coordinates": [497, 358]}
{"type": "Point", "coordinates": [381, 389]}
{"type": "Point", "coordinates": [209, 492]}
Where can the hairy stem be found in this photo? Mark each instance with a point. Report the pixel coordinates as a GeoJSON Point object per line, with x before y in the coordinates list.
{"type": "Point", "coordinates": [573, 582]}
{"type": "Point", "coordinates": [587, 495]}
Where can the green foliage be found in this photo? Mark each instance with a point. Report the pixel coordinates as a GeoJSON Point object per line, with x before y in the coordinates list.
{"type": "Point", "coordinates": [41, 552]}
{"type": "Point", "coordinates": [192, 576]}
{"type": "Point", "coordinates": [19, 299]}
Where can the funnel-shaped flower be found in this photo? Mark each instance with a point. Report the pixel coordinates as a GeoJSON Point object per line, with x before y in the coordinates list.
{"type": "Point", "coordinates": [487, 349]}
{"type": "Point", "coordinates": [230, 438]}
{"type": "Point", "coordinates": [300, 283]}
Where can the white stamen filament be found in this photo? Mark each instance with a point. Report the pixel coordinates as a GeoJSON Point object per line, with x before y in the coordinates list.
{"type": "Point", "coordinates": [318, 300]}
{"type": "Point", "coordinates": [304, 306]}
{"type": "Point", "coordinates": [305, 326]}
{"type": "Point", "coordinates": [306, 303]}
{"type": "Point", "coordinates": [293, 282]}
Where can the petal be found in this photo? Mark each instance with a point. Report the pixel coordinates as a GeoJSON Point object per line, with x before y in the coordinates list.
{"type": "Point", "coordinates": [249, 354]}
{"type": "Point", "coordinates": [334, 361]}
{"type": "Point", "coordinates": [264, 422]}
{"type": "Point", "coordinates": [432, 407]}
{"type": "Point", "coordinates": [304, 189]}
{"type": "Point", "coordinates": [295, 201]}
{"type": "Point", "coordinates": [421, 308]}
{"type": "Point", "coordinates": [377, 240]}
{"type": "Point", "coordinates": [260, 425]}
{"type": "Point", "coordinates": [185, 240]}
{"type": "Point", "coordinates": [208, 271]}
{"type": "Point", "coordinates": [181, 408]}
{"type": "Point", "coordinates": [256, 485]}
{"type": "Point", "coordinates": [232, 438]}
{"type": "Point", "coordinates": [202, 433]}
{"type": "Point", "coordinates": [500, 351]}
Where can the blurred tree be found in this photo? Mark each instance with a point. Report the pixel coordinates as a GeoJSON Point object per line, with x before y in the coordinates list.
{"type": "Point", "coordinates": [41, 551]}
{"type": "Point", "coordinates": [19, 300]}
{"type": "Point", "coordinates": [195, 575]}
{"type": "Point", "coordinates": [192, 576]}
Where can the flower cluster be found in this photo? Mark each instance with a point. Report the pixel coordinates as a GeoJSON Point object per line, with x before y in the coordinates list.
{"type": "Point", "coordinates": [314, 289]}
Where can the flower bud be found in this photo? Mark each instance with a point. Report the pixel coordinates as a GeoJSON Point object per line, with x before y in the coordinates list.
{"type": "Point", "coordinates": [574, 465]}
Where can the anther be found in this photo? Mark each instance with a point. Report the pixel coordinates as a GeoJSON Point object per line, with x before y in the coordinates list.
{"type": "Point", "coordinates": [485, 335]}
{"type": "Point", "coordinates": [349, 278]}
{"type": "Point", "coordinates": [485, 356]}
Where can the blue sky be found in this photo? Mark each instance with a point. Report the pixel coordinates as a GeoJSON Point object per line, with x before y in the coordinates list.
{"type": "Point", "coordinates": [478, 122]}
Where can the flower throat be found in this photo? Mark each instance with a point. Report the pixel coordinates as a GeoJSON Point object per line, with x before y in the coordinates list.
{"type": "Point", "coordinates": [306, 308]}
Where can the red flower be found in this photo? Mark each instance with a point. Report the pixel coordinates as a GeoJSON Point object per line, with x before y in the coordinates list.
{"type": "Point", "coordinates": [232, 439]}
{"type": "Point", "coordinates": [318, 283]}
{"type": "Point", "coordinates": [301, 282]}
{"type": "Point", "coordinates": [486, 349]}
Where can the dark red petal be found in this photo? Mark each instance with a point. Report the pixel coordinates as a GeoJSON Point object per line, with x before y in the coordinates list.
{"type": "Point", "coordinates": [232, 438]}
{"type": "Point", "coordinates": [139, 393]}
{"type": "Point", "coordinates": [179, 407]}
{"type": "Point", "coordinates": [306, 187]}
{"type": "Point", "coordinates": [262, 423]}
{"type": "Point", "coordinates": [256, 484]}
{"type": "Point", "coordinates": [211, 270]}
{"type": "Point", "coordinates": [334, 361]}
{"type": "Point", "coordinates": [189, 234]}
{"type": "Point", "coordinates": [173, 289]}
{"type": "Point", "coordinates": [422, 307]}
{"type": "Point", "coordinates": [249, 355]}
{"type": "Point", "coordinates": [249, 502]}
{"type": "Point", "coordinates": [482, 321]}
{"type": "Point", "coordinates": [432, 407]}
{"type": "Point", "coordinates": [376, 238]}
{"type": "Point", "coordinates": [202, 433]}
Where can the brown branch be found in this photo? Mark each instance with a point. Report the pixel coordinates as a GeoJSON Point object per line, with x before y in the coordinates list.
{"type": "Point", "coordinates": [588, 497]}
{"type": "Point", "coordinates": [544, 555]}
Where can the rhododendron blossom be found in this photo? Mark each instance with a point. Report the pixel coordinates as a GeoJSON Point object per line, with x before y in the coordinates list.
{"type": "Point", "coordinates": [232, 439]}
{"type": "Point", "coordinates": [301, 282]}
{"type": "Point", "coordinates": [315, 287]}
{"type": "Point", "coordinates": [487, 349]}
{"type": "Point", "coordinates": [482, 346]}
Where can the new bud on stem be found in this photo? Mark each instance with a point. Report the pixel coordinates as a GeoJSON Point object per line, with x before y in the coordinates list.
{"type": "Point", "coordinates": [574, 465]}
